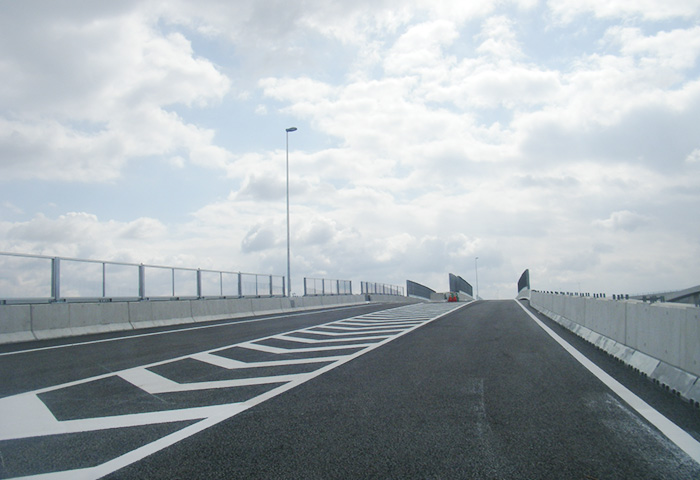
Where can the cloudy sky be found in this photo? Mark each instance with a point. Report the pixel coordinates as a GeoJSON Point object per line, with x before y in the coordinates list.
{"type": "Point", "coordinates": [561, 136]}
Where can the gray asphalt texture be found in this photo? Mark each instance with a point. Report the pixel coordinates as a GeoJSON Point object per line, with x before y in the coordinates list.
{"type": "Point", "coordinates": [483, 393]}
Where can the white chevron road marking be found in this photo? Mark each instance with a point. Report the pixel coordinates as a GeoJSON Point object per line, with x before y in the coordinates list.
{"type": "Point", "coordinates": [26, 415]}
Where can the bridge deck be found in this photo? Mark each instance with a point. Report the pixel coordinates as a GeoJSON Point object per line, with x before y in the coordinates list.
{"type": "Point", "coordinates": [435, 390]}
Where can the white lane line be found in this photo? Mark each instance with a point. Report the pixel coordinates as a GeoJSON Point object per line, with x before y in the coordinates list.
{"type": "Point", "coordinates": [672, 431]}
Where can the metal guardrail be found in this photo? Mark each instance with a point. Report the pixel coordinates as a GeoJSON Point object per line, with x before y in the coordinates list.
{"type": "Point", "coordinates": [325, 286]}
{"type": "Point", "coordinates": [381, 289]}
{"type": "Point", "coordinates": [26, 278]}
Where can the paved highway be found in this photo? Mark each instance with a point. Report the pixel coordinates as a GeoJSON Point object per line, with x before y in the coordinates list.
{"type": "Point", "coordinates": [484, 390]}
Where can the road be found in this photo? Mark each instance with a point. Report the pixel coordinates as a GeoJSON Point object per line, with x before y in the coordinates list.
{"type": "Point", "coordinates": [427, 391]}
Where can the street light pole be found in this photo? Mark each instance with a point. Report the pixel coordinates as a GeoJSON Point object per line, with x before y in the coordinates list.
{"type": "Point", "coordinates": [289, 275]}
{"type": "Point", "coordinates": [476, 271]}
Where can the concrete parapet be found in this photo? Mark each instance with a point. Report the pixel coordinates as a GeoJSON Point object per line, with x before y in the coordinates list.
{"type": "Point", "coordinates": [15, 323]}
{"type": "Point", "coordinates": [206, 310]}
{"type": "Point", "coordinates": [50, 320]}
{"type": "Point", "coordinates": [330, 300]}
{"type": "Point", "coordinates": [376, 297]}
{"type": "Point", "coordinates": [655, 330]}
{"type": "Point", "coordinates": [351, 299]}
{"type": "Point", "coordinates": [661, 341]}
{"type": "Point", "coordinates": [264, 306]}
{"type": "Point", "coordinates": [606, 317]}
{"type": "Point", "coordinates": [309, 302]}
{"type": "Point", "coordinates": [27, 322]}
{"type": "Point", "coordinates": [145, 314]}
{"type": "Point", "coordinates": [524, 294]}
{"type": "Point", "coordinates": [690, 346]}
{"type": "Point", "coordinates": [88, 318]}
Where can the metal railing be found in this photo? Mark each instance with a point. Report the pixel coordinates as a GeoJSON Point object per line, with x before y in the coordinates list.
{"type": "Point", "coordinates": [26, 278]}
{"type": "Point", "coordinates": [380, 288]}
{"type": "Point", "coordinates": [325, 286]}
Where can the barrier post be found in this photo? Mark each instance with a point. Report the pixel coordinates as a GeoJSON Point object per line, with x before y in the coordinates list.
{"type": "Point", "coordinates": [142, 281]}
{"type": "Point", "coordinates": [56, 279]}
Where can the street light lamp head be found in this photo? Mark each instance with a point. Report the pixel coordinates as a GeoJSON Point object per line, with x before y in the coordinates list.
{"type": "Point", "coordinates": [292, 129]}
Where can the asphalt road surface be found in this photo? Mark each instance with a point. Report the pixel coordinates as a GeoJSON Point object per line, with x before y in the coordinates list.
{"type": "Point", "coordinates": [377, 391]}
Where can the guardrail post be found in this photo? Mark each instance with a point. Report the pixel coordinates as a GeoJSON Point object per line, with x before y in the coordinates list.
{"type": "Point", "coordinates": [270, 285]}
{"type": "Point", "coordinates": [104, 279]}
{"type": "Point", "coordinates": [199, 283]}
{"type": "Point", "coordinates": [305, 292]}
{"type": "Point", "coordinates": [56, 279]}
{"type": "Point", "coordinates": [240, 285]}
{"type": "Point", "coordinates": [142, 281]}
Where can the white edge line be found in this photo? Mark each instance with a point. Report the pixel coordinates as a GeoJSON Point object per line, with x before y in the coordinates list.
{"type": "Point", "coordinates": [673, 432]}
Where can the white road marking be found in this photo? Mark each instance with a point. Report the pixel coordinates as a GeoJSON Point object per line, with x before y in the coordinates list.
{"type": "Point", "coordinates": [15, 429]}
{"type": "Point", "coordinates": [292, 338]}
{"type": "Point", "coordinates": [357, 329]}
{"type": "Point", "coordinates": [154, 384]}
{"type": "Point", "coordinates": [281, 350]}
{"type": "Point", "coordinates": [348, 334]}
{"type": "Point", "coordinates": [231, 364]}
{"type": "Point", "coordinates": [37, 420]}
{"type": "Point", "coordinates": [672, 431]}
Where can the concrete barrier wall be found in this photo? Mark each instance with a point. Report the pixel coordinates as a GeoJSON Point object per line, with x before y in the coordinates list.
{"type": "Point", "coordinates": [392, 298]}
{"type": "Point", "coordinates": [20, 323]}
{"type": "Point", "coordinates": [16, 324]}
{"type": "Point", "coordinates": [661, 340]}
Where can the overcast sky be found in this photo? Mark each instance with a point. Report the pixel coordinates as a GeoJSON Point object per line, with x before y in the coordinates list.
{"type": "Point", "coordinates": [561, 136]}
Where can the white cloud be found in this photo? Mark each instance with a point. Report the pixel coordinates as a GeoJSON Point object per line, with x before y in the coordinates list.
{"type": "Point", "coordinates": [429, 133]}
{"type": "Point", "coordinates": [694, 156]}
{"type": "Point", "coordinates": [258, 238]}
{"type": "Point", "coordinates": [81, 235]}
{"type": "Point", "coordinates": [567, 10]}
{"type": "Point", "coordinates": [84, 95]}
{"type": "Point", "coordinates": [499, 39]}
{"type": "Point", "coordinates": [421, 48]}
{"type": "Point", "coordinates": [623, 220]}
